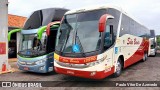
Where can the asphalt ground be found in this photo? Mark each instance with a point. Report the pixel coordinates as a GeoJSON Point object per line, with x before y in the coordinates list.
{"type": "Point", "coordinates": [140, 71]}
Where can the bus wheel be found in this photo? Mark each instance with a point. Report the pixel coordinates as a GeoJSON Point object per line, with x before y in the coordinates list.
{"type": "Point", "coordinates": [144, 57]}
{"type": "Point", "coordinates": [118, 68]}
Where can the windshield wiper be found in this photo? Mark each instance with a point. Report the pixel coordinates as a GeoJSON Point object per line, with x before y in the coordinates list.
{"type": "Point", "coordinates": [77, 39]}
{"type": "Point", "coordinates": [65, 43]}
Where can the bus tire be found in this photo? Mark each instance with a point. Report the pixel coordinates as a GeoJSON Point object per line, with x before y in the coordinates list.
{"type": "Point", "coordinates": [145, 55]}
{"type": "Point", "coordinates": [119, 67]}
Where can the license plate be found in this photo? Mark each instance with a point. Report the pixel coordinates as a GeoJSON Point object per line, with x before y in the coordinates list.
{"type": "Point", "coordinates": [70, 72]}
{"type": "Point", "coordinates": [26, 68]}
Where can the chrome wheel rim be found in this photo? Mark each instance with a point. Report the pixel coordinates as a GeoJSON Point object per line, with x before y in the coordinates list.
{"type": "Point", "coordinates": [118, 67]}
{"type": "Point", "coordinates": [144, 57]}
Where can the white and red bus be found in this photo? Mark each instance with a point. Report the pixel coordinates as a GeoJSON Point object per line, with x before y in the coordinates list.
{"type": "Point", "coordinates": [98, 42]}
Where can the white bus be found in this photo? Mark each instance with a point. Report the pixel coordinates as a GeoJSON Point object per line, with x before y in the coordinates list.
{"type": "Point", "coordinates": [152, 44]}
{"type": "Point", "coordinates": [98, 42]}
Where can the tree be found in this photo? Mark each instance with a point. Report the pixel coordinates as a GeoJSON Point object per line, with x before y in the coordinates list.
{"type": "Point", "coordinates": [158, 40]}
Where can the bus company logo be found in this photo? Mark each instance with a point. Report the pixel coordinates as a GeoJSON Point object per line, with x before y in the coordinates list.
{"type": "Point", "coordinates": [90, 59]}
{"type": "Point", "coordinates": [132, 41]}
{"type": "Point", "coordinates": [74, 61]}
{"type": "Point", "coordinates": [136, 42]}
{"type": "Point", "coordinates": [6, 84]}
{"type": "Point", "coordinates": [64, 59]}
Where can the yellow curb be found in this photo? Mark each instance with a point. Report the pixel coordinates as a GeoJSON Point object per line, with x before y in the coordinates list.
{"type": "Point", "coordinates": [4, 72]}
{"type": "Point", "coordinates": [12, 60]}
{"type": "Point", "coordinates": [9, 71]}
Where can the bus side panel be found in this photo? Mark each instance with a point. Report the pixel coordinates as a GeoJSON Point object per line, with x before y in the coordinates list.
{"type": "Point", "coordinates": [108, 58]}
{"type": "Point", "coordinates": [131, 47]}
{"type": "Point", "coordinates": [132, 44]}
{"type": "Point", "coordinates": [49, 64]}
{"type": "Point", "coordinates": [138, 55]}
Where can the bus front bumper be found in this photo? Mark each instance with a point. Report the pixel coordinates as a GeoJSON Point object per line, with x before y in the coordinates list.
{"type": "Point", "coordinates": [85, 74]}
{"type": "Point", "coordinates": [153, 52]}
{"type": "Point", "coordinates": [42, 68]}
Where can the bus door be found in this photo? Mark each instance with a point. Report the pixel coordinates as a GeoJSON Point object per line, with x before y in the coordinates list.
{"type": "Point", "coordinates": [52, 38]}
{"type": "Point", "coordinates": [108, 49]}
{"type": "Point", "coordinates": [109, 39]}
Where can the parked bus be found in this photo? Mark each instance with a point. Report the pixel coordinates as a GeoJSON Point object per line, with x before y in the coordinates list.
{"type": "Point", "coordinates": [153, 44]}
{"type": "Point", "coordinates": [98, 42]}
{"type": "Point", "coordinates": [36, 50]}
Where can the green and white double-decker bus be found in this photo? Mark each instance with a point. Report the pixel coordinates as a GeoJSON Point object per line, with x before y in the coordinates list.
{"type": "Point", "coordinates": [36, 50]}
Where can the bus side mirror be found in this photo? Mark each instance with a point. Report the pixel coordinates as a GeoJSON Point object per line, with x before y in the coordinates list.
{"type": "Point", "coordinates": [11, 32]}
{"type": "Point", "coordinates": [102, 21]}
{"type": "Point", "coordinates": [48, 29]}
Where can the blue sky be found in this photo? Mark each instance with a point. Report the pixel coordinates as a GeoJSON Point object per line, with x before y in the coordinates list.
{"type": "Point", "coordinates": [145, 11]}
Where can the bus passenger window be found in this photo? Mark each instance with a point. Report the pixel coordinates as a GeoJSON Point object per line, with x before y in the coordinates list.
{"type": "Point", "coordinates": [108, 40]}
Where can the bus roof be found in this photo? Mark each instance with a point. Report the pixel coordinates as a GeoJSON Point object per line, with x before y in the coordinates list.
{"type": "Point", "coordinates": [55, 13]}
{"type": "Point", "coordinates": [44, 16]}
{"type": "Point", "coordinates": [91, 8]}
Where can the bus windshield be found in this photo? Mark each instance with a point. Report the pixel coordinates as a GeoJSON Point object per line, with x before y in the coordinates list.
{"type": "Point", "coordinates": [31, 46]}
{"type": "Point", "coordinates": [79, 32]}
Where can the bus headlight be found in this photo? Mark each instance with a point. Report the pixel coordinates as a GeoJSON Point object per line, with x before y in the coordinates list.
{"type": "Point", "coordinates": [96, 62]}
{"type": "Point", "coordinates": [40, 61]}
{"type": "Point", "coordinates": [42, 68]}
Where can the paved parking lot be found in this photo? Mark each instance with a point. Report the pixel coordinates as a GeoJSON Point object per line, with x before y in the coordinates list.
{"type": "Point", "coordinates": [141, 71]}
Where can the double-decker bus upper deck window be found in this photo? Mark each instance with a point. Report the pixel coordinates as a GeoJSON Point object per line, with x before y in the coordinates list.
{"type": "Point", "coordinates": [43, 17]}
{"type": "Point", "coordinates": [34, 21]}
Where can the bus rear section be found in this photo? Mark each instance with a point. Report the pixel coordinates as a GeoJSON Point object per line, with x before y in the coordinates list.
{"type": "Point", "coordinates": [98, 42]}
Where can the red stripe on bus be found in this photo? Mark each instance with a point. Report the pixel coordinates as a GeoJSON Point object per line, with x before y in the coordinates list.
{"type": "Point", "coordinates": [138, 55]}
{"type": "Point", "coordinates": [85, 74]}
{"type": "Point", "coordinates": [77, 60]}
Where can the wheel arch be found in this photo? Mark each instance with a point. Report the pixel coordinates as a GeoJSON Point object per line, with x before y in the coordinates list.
{"type": "Point", "coordinates": [122, 60]}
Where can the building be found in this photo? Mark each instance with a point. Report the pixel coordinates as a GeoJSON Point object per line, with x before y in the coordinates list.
{"type": "Point", "coordinates": [14, 22]}
{"type": "Point", "coordinates": [4, 66]}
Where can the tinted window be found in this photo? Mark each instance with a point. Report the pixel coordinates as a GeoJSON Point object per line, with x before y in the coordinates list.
{"type": "Point", "coordinates": [114, 21]}
{"type": "Point", "coordinates": [34, 21]}
{"type": "Point", "coordinates": [129, 26]}
{"type": "Point", "coordinates": [125, 24]}
{"type": "Point", "coordinates": [108, 39]}
{"type": "Point", "coordinates": [43, 17]}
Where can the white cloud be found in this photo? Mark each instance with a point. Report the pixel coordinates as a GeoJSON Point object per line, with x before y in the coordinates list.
{"type": "Point", "coordinates": [145, 11]}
